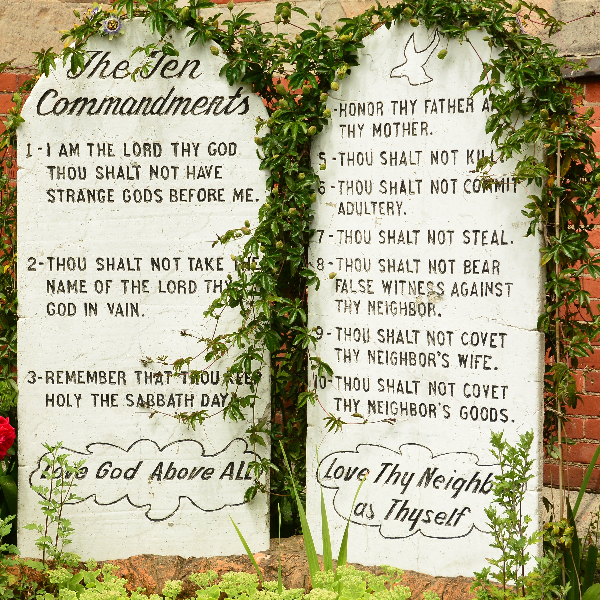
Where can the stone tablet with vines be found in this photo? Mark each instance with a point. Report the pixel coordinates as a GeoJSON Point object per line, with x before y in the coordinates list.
{"type": "Point", "coordinates": [126, 185]}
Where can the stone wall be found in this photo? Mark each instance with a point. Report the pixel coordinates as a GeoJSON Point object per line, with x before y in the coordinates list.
{"type": "Point", "coordinates": [27, 26]}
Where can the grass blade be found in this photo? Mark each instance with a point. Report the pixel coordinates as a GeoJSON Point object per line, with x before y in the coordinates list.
{"type": "Point", "coordinates": [279, 577]}
{"type": "Point", "coordinates": [586, 480]}
{"type": "Point", "coordinates": [250, 555]}
{"type": "Point", "coordinates": [309, 545]}
{"type": "Point", "coordinates": [343, 555]}
{"type": "Point", "coordinates": [590, 567]}
{"type": "Point", "coordinates": [327, 551]}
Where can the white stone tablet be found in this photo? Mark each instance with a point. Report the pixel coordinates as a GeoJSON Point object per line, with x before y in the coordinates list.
{"type": "Point", "coordinates": [430, 320]}
{"type": "Point", "coordinates": [123, 187]}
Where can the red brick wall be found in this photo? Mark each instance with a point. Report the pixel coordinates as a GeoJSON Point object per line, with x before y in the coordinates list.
{"type": "Point", "coordinates": [584, 424]}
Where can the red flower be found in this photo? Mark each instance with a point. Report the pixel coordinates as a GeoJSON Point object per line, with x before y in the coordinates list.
{"type": "Point", "coordinates": [7, 436]}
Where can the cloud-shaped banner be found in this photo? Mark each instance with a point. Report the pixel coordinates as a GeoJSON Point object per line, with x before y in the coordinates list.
{"type": "Point", "coordinates": [410, 490]}
{"type": "Point", "coordinates": [156, 478]}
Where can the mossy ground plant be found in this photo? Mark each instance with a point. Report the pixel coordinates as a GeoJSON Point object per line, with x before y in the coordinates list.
{"type": "Point", "coordinates": [533, 105]}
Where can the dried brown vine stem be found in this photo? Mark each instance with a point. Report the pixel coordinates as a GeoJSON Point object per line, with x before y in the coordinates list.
{"type": "Point", "coordinates": [557, 328]}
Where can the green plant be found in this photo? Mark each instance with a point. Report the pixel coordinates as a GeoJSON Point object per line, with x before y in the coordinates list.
{"type": "Point", "coordinates": [507, 577]}
{"type": "Point", "coordinates": [317, 576]}
{"type": "Point", "coordinates": [347, 583]}
{"type": "Point", "coordinates": [578, 557]}
{"type": "Point", "coordinates": [7, 580]}
{"type": "Point", "coordinates": [59, 491]}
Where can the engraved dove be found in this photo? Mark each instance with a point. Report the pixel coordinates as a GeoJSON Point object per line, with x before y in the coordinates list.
{"type": "Point", "coordinates": [413, 67]}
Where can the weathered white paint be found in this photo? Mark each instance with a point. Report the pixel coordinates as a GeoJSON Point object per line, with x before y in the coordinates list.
{"type": "Point", "coordinates": [144, 489]}
{"type": "Point", "coordinates": [394, 328]}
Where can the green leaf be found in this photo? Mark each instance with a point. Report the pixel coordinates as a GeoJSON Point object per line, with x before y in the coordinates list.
{"type": "Point", "coordinates": [9, 489]}
{"type": "Point", "coordinates": [309, 545]}
{"type": "Point", "coordinates": [592, 593]}
{"type": "Point", "coordinates": [343, 555]}
{"type": "Point", "coordinates": [586, 480]}
{"type": "Point", "coordinates": [248, 552]}
{"type": "Point", "coordinates": [327, 553]}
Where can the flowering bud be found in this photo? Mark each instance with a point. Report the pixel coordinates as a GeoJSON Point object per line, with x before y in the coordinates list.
{"type": "Point", "coordinates": [214, 50]}
{"type": "Point", "coordinates": [313, 197]}
{"type": "Point", "coordinates": [345, 38]}
{"type": "Point", "coordinates": [387, 15]}
{"type": "Point", "coordinates": [516, 7]}
{"type": "Point", "coordinates": [335, 86]}
{"type": "Point", "coordinates": [332, 275]}
{"type": "Point", "coordinates": [298, 38]}
{"type": "Point", "coordinates": [319, 35]}
{"type": "Point", "coordinates": [245, 230]}
{"type": "Point", "coordinates": [208, 35]}
{"type": "Point", "coordinates": [280, 88]}
{"type": "Point", "coordinates": [277, 19]}
{"type": "Point", "coordinates": [233, 257]}
{"type": "Point", "coordinates": [442, 54]}
{"type": "Point", "coordinates": [322, 166]}
{"type": "Point", "coordinates": [301, 176]}
{"type": "Point", "coordinates": [184, 13]}
{"type": "Point", "coordinates": [414, 22]}
{"type": "Point", "coordinates": [283, 103]}
{"type": "Point", "coordinates": [408, 13]}
{"type": "Point", "coordinates": [327, 113]}
{"type": "Point", "coordinates": [337, 29]}
{"type": "Point", "coordinates": [305, 89]}
{"type": "Point", "coordinates": [341, 75]}
{"type": "Point", "coordinates": [318, 16]}
{"type": "Point", "coordinates": [247, 223]}
{"type": "Point", "coordinates": [323, 97]}
{"type": "Point", "coordinates": [544, 114]}
{"type": "Point", "coordinates": [279, 245]}
{"type": "Point", "coordinates": [466, 25]}
{"type": "Point", "coordinates": [230, 5]}
{"type": "Point", "coordinates": [293, 211]}
{"type": "Point", "coordinates": [312, 130]}
{"type": "Point", "coordinates": [286, 12]}
{"type": "Point", "coordinates": [258, 141]}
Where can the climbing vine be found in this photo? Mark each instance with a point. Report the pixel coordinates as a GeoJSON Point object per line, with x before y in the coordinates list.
{"type": "Point", "coordinates": [533, 107]}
